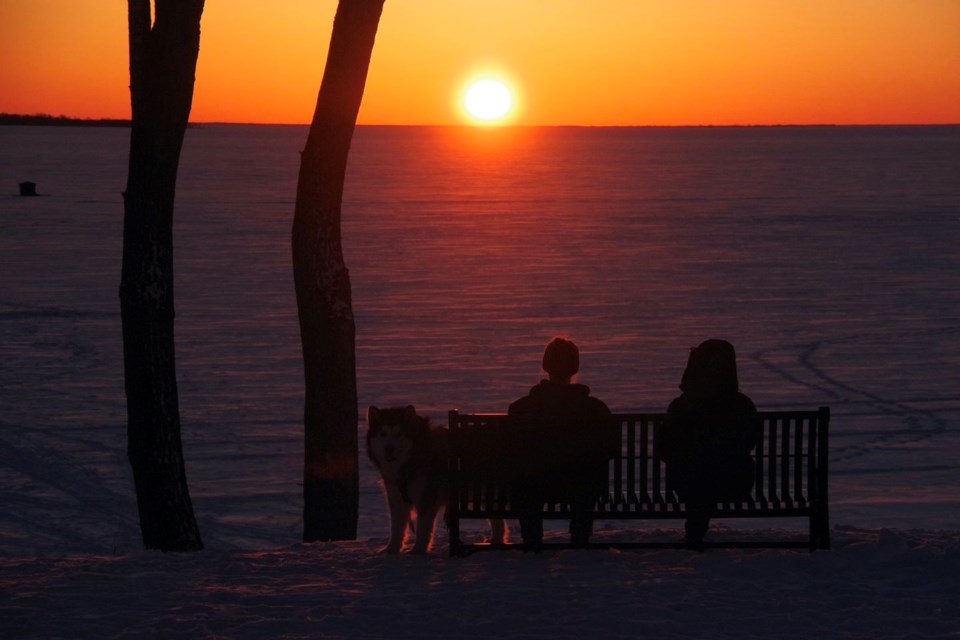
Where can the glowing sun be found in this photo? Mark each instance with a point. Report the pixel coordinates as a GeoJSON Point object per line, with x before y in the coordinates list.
{"type": "Point", "coordinates": [488, 100]}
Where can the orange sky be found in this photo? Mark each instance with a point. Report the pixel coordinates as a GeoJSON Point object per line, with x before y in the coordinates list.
{"type": "Point", "coordinates": [572, 62]}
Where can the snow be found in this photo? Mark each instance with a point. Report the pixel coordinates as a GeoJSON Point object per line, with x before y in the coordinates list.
{"type": "Point", "coordinates": [70, 559]}
{"type": "Point", "coordinates": [872, 584]}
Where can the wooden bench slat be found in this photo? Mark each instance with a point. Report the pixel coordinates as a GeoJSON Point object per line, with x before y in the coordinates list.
{"type": "Point", "coordinates": [772, 493]}
{"type": "Point", "coordinates": [798, 461]}
{"type": "Point", "coordinates": [631, 444]}
{"type": "Point", "coordinates": [785, 442]}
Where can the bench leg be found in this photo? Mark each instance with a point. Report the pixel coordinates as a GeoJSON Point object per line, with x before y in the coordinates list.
{"type": "Point", "coordinates": [819, 530]}
{"type": "Point", "coordinates": [824, 521]}
{"type": "Point", "coordinates": [453, 530]}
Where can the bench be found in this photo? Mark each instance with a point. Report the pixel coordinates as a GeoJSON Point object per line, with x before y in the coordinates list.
{"type": "Point", "coordinates": [790, 481]}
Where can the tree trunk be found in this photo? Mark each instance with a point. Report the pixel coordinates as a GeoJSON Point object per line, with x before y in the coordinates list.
{"type": "Point", "coordinates": [163, 61]}
{"type": "Point", "coordinates": [327, 332]}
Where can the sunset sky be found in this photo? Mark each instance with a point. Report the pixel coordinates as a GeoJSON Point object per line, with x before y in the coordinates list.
{"type": "Point", "coordinates": [568, 62]}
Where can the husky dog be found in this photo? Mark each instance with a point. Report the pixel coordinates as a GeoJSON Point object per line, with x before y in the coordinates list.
{"type": "Point", "coordinates": [411, 455]}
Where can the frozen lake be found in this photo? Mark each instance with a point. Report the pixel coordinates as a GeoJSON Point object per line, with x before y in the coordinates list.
{"type": "Point", "coordinates": [828, 256]}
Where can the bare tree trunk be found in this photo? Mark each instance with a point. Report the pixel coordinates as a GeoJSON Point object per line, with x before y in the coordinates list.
{"type": "Point", "coordinates": [163, 59]}
{"type": "Point", "coordinates": [331, 471]}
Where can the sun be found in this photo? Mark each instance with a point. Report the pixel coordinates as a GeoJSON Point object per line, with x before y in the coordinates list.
{"type": "Point", "coordinates": [488, 100]}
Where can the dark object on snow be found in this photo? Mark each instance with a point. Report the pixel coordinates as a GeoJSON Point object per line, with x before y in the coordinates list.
{"type": "Point", "coordinates": [28, 188]}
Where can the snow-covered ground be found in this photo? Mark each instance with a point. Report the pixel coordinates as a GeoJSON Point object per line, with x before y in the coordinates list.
{"type": "Point", "coordinates": [878, 345]}
{"type": "Point", "coordinates": [872, 584]}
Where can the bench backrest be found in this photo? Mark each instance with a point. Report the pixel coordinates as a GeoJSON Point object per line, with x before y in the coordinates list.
{"type": "Point", "coordinates": [790, 460]}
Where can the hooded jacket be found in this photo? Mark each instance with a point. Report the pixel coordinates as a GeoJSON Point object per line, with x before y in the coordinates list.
{"type": "Point", "coordinates": [556, 402]}
{"type": "Point", "coordinates": [563, 434]}
{"type": "Point", "coordinates": [710, 429]}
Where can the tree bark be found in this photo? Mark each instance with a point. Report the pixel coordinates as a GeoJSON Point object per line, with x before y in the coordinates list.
{"type": "Point", "coordinates": [163, 60]}
{"type": "Point", "coordinates": [324, 303]}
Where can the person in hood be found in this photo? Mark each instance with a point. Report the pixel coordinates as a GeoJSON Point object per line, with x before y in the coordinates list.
{"type": "Point", "coordinates": [566, 438]}
{"type": "Point", "coordinates": [708, 435]}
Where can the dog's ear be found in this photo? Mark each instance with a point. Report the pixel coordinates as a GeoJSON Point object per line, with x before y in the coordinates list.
{"type": "Point", "coordinates": [373, 414]}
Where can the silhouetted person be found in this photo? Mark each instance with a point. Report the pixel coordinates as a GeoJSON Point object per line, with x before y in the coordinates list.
{"type": "Point", "coordinates": [708, 435]}
{"type": "Point", "coordinates": [566, 438]}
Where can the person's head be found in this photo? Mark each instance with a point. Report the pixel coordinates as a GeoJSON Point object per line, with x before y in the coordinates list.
{"type": "Point", "coordinates": [561, 360]}
{"type": "Point", "coordinates": [711, 368]}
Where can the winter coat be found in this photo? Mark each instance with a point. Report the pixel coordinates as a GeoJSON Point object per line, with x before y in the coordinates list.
{"type": "Point", "coordinates": [564, 438]}
{"type": "Point", "coordinates": [706, 443]}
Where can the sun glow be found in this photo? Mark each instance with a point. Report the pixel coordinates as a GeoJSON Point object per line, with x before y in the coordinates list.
{"type": "Point", "coordinates": [488, 101]}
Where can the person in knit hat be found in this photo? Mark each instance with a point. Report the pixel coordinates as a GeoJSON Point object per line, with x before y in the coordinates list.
{"type": "Point", "coordinates": [566, 439]}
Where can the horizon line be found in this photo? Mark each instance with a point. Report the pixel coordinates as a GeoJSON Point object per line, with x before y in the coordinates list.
{"type": "Point", "coordinates": [64, 119]}
{"type": "Point", "coordinates": [595, 126]}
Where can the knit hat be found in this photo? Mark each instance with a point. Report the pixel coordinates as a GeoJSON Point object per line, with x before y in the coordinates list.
{"type": "Point", "coordinates": [561, 358]}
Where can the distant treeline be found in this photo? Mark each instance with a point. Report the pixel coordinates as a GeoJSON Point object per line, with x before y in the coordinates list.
{"type": "Point", "coordinates": [44, 119]}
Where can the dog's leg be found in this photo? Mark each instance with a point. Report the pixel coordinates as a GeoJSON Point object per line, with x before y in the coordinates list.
{"type": "Point", "coordinates": [426, 522]}
{"type": "Point", "coordinates": [399, 518]}
{"type": "Point", "coordinates": [498, 531]}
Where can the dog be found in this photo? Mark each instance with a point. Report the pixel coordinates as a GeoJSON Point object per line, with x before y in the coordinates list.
{"type": "Point", "coordinates": [411, 455]}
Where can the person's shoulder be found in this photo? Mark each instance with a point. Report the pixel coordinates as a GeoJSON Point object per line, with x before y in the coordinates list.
{"type": "Point", "coordinates": [679, 404]}
{"type": "Point", "coordinates": [599, 406]}
{"type": "Point", "coordinates": [527, 403]}
{"type": "Point", "coordinates": [520, 405]}
{"type": "Point", "coordinates": [580, 393]}
{"type": "Point", "coordinates": [745, 401]}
